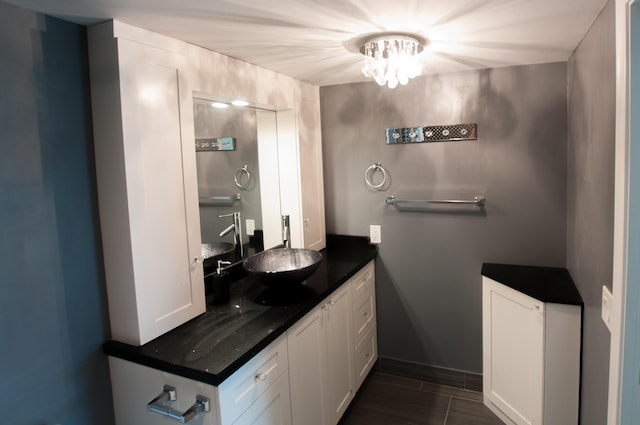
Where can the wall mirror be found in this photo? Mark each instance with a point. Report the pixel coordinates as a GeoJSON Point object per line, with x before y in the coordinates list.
{"type": "Point", "coordinates": [237, 169]}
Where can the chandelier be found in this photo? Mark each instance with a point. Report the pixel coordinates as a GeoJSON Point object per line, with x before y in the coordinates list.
{"type": "Point", "coordinates": [391, 59]}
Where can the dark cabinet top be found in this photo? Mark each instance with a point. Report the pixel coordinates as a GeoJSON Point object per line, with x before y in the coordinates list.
{"type": "Point", "coordinates": [212, 346]}
{"type": "Point", "coordinates": [547, 284]}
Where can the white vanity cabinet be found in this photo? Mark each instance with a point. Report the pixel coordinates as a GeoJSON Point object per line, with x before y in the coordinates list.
{"type": "Point", "coordinates": [321, 361]}
{"type": "Point", "coordinates": [531, 357]}
{"type": "Point", "coordinates": [257, 393]}
{"type": "Point", "coordinates": [331, 350]}
{"type": "Point", "coordinates": [147, 188]}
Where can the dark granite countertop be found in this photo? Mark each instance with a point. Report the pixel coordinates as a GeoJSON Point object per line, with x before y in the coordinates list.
{"type": "Point", "coordinates": [547, 284]}
{"type": "Point", "coordinates": [212, 346]}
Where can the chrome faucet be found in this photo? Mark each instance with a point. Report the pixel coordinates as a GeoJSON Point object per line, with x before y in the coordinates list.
{"type": "Point", "coordinates": [286, 232]}
{"type": "Point", "coordinates": [236, 227]}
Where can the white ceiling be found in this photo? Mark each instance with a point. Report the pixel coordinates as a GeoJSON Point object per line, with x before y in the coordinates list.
{"type": "Point", "coordinates": [318, 40]}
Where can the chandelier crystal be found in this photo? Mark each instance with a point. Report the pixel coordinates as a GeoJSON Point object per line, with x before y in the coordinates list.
{"type": "Point", "coordinates": [391, 59]}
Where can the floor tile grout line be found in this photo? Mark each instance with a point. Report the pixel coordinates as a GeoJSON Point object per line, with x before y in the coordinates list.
{"type": "Point", "coordinates": [448, 408]}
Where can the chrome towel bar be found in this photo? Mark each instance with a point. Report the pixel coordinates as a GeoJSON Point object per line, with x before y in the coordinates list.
{"type": "Point", "coordinates": [220, 200]}
{"type": "Point", "coordinates": [477, 201]}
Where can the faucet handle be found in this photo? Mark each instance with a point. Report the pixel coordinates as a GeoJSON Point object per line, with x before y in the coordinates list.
{"type": "Point", "coordinates": [233, 214]}
{"type": "Point", "coordinates": [220, 264]}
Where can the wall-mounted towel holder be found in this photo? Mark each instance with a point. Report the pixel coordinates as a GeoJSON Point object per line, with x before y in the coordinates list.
{"type": "Point", "coordinates": [368, 176]}
{"type": "Point", "coordinates": [242, 174]}
{"type": "Point", "coordinates": [219, 201]}
{"type": "Point", "coordinates": [478, 201]}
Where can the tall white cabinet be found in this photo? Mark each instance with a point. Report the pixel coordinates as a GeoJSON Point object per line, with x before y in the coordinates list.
{"type": "Point", "coordinates": [531, 355]}
{"type": "Point", "coordinates": [147, 187]}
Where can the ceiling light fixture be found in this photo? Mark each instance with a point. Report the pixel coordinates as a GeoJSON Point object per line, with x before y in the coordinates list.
{"type": "Point", "coordinates": [391, 59]}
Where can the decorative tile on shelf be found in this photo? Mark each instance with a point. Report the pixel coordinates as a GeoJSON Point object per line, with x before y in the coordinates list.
{"type": "Point", "coordinates": [435, 133]}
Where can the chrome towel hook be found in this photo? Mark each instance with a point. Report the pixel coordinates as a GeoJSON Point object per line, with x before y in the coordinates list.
{"type": "Point", "coordinates": [368, 176]}
{"type": "Point", "coordinates": [237, 178]}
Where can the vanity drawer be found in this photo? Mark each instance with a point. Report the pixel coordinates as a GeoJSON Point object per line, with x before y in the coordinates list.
{"type": "Point", "coordinates": [248, 383]}
{"type": "Point", "coordinates": [362, 283]}
{"type": "Point", "coordinates": [364, 312]}
{"type": "Point", "coordinates": [366, 354]}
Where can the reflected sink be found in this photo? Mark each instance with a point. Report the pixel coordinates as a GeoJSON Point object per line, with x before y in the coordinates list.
{"type": "Point", "coordinates": [216, 251]}
{"type": "Point", "coordinates": [282, 266]}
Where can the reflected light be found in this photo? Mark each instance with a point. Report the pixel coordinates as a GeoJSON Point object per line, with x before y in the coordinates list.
{"type": "Point", "coordinates": [149, 94]}
{"type": "Point", "coordinates": [240, 103]}
{"type": "Point", "coordinates": [219, 105]}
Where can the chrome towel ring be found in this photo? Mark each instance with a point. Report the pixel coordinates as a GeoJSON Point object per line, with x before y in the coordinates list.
{"type": "Point", "coordinates": [238, 177]}
{"type": "Point", "coordinates": [368, 176]}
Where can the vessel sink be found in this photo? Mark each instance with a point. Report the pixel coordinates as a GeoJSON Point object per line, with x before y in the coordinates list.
{"type": "Point", "coordinates": [213, 251]}
{"type": "Point", "coordinates": [282, 266]}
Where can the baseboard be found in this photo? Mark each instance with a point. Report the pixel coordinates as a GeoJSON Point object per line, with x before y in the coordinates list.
{"type": "Point", "coordinates": [435, 374]}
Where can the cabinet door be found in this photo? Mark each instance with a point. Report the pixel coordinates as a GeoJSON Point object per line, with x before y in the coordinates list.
{"type": "Point", "coordinates": [272, 408]}
{"type": "Point", "coordinates": [513, 353]}
{"type": "Point", "coordinates": [340, 353]}
{"type": "Point", "coordinates": [145, 166]}
{"type": "Point", "coordinates": [306, 369]}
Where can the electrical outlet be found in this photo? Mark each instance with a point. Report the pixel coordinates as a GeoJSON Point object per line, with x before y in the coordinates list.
{"type": "Point", "coordinates": [375, 235]}
{"type": "Point", "coordinates": [607, 306]}
{"type": "Point", "coordinates": [250, 225]}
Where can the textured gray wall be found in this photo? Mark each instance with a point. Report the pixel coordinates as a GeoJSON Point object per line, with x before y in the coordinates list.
{"type": "Point", "coordinates": [591, 78]}
{"type": "Point", "coordinates": [428, 271]}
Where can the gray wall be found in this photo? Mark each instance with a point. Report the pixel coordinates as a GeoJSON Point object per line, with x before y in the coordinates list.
{"type": "Point", "coordinates": [591, 78]}
{"type": "Point", "coordinates": [53, 317]}
{"type": "Point", "coordinates": [428, 270]}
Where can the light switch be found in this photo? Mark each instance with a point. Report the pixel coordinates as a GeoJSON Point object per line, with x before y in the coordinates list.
{"type": "Point", "coordinates": [250, 225]}
{"type": "Point", "coordinates": [607, 306]}
{"type": "Point", "coordinates": [375, 235]}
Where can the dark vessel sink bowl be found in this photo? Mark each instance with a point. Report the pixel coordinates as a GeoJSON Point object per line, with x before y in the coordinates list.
{"type": "Point", "coordinates": [282, 266]}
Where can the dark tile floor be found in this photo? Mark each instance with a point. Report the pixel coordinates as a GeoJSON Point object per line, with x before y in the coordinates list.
{"type": "Point", "coordinates": [388, 400]}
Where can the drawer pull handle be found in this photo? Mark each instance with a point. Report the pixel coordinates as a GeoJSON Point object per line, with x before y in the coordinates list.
{"type": "Point", "coordinates": [261, 376]}
{"type": "Point", "coordinates": [169, 394]}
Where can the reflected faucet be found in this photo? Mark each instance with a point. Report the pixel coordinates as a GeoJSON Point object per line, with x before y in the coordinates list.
{"type": "Point", "coordinates": [286, 232]}
{"type": "Point", "coordinates": [236, 227]}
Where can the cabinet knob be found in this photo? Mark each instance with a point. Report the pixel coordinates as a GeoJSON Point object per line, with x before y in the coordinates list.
{"type": "Point", "coordinates": [261, 376]}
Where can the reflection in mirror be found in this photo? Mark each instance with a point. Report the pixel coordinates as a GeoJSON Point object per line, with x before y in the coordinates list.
{"type": "Point", "coordinates": [228, 179]}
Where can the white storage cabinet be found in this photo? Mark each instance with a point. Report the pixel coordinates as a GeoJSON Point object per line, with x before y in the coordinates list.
{"type": "Point", "coordinates": [147, 188]}
{"type": "Point", "coordinates": [531, 357]}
